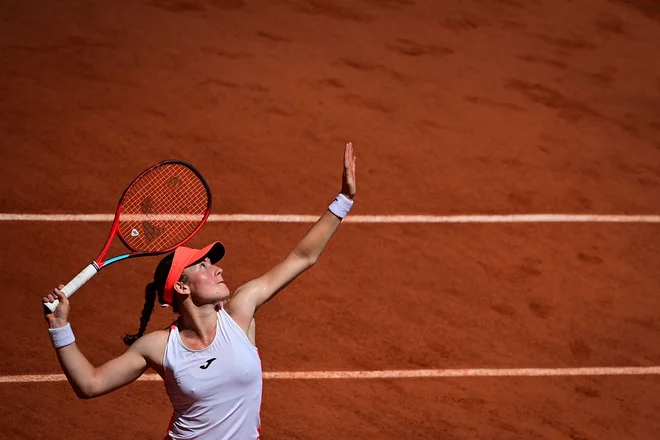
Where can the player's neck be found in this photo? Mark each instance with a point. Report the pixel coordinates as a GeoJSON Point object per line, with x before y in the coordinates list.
{"type": "Point", "coordinates": [201, 321]}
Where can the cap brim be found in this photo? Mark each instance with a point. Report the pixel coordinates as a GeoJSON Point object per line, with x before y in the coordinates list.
{"type": "Point", "coordinates": [215, 251]}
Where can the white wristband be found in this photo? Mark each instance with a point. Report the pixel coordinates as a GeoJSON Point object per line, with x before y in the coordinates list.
{"type": "Point", "coordinates": [62, 336]}
{"type": "Point", "coordinates": [341, 206]}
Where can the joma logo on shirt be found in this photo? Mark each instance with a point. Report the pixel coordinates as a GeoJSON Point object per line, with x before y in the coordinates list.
{"type": "Point", "coordinates": [208, 364]}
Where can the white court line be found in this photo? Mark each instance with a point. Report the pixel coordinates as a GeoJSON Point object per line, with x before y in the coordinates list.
{"type": "Point", "coordinates": [264, 218]}
{"type": "Point", "coordinates": [400, 374]}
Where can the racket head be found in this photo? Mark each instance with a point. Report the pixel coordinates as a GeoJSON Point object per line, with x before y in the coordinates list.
{"type": "Point", "coordinates": [162, 208]}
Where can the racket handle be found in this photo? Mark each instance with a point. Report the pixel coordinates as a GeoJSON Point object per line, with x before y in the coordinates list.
{"type": "Point", "coordinates": [75, 284]}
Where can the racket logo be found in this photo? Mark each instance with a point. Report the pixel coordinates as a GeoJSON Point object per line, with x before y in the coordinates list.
{"type": "Point", "coordinates": [145, 206]}
{"type": "Point", "coordinates": [151, 231]}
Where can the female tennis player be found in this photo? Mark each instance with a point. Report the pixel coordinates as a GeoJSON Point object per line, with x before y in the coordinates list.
{"type": "Point", "coordinates": [207, 358]}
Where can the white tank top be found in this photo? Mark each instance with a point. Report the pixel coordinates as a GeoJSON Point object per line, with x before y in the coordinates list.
{"type": "Point", "coordinates": [216, 391]}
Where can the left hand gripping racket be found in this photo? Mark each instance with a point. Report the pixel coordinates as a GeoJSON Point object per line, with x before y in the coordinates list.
{"type": "Point", "coordinates": [162, 209]}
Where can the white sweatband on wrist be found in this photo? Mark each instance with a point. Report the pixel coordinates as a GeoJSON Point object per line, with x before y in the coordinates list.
{"type": "Point", "coordinates": [62, 336]}
{"type": "Point", "coordinates": [341, 206]}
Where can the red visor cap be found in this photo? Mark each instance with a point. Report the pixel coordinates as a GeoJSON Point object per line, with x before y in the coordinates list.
{"type": "Point", "coordinates": [184, 257]}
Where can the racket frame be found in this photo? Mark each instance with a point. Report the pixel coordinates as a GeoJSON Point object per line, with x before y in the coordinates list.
{"type": "Point", "coordinates": [114, 230]}
{"type": "Point", "coordinates": [98, 263]}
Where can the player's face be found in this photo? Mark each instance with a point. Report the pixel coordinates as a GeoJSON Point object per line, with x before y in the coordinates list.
{"type": "Point", "coordinates": [207, 286]}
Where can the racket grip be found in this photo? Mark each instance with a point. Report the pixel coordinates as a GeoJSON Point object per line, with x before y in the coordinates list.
{"type": "Point", "coordinates": [75, 284]}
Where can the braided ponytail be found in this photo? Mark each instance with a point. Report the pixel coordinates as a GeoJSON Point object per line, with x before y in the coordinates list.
{"type": "Point", "coordinates": [149, 301]}
{"type": "Point", "coordinates": [153, 289]}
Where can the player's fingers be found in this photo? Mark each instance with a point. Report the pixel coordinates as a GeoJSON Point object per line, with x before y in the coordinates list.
{"type": "Point", "coordinates": [48, 298]}
{"type": "Point", "coordinates": [61, 296]}
{"type": "Point", "coordinates": [61, 286]}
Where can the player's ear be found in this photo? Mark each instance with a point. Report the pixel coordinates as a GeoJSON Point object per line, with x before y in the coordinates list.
{"type": "Point", "coordinates": [182, 288]}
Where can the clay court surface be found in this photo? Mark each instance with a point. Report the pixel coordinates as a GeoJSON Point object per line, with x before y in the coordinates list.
{"type": "Point", "coordinates": [454, 107]}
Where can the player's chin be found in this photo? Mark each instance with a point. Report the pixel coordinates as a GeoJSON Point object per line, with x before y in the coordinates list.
{"type": "Point", "coordinates": [223, 292]}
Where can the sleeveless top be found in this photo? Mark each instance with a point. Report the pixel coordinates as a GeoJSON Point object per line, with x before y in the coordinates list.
{"type": "Point", "coordinates": [215, 391]}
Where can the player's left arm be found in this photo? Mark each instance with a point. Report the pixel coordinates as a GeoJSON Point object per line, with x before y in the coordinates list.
{"type": "Point", "coordinates": [252, 295]}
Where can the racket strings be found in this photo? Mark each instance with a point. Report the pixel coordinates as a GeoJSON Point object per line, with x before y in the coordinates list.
{"type": "Point", "coordinates": [172, 219]}
{"type": "Point", "coordinates": [163, 208]}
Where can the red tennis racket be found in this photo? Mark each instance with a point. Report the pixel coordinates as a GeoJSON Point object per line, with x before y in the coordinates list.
{"type": "Point", "coordinates": [162, 209]}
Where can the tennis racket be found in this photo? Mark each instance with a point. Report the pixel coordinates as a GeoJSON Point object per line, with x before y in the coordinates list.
{"type": "Point", "coordinates": [162, 209]}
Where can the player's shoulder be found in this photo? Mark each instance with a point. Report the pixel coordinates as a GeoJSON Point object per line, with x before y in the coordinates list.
{"type": "Point", "coordinates": [157, 337]}
{"type": "Point", "coordinates": [152, 345]}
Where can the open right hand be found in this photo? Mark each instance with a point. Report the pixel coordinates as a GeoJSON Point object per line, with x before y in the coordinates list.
{"type": "Point", "coordinates": [348, 184]}
{"type": "Point", "coordinates": [60, 317]}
